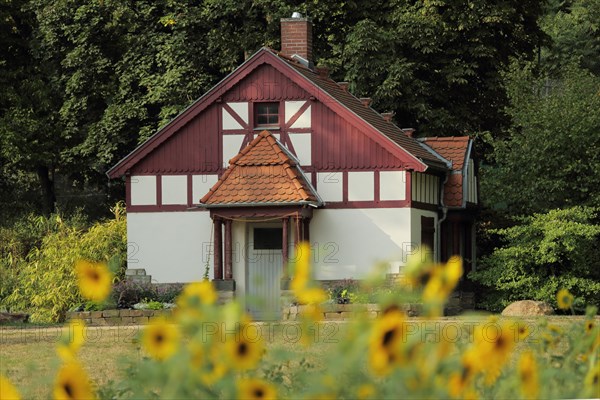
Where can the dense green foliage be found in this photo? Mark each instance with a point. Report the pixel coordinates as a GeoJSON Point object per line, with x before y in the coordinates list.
{"type": "Point", "coordinates": [37, 261]}
{"type": "Point", "coordinates": [542, 254]}
{"type": "Point", "coordinates": [89, 80]}
{"type": "Point", "coordinates": [550, 157]}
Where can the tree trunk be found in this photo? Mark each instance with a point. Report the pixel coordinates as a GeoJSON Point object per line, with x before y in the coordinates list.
{"type": "Point", "coordinates": [47, 186]}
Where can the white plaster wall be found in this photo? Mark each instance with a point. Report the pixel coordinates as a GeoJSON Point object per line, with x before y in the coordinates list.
{"type": "Point", "coordinates": [231, 147]}
{"type": "Point", "coordinates": [143, 190]}
{"type": "Point", "coordinates": [174, 189]}
{"type": "Point", "coordinates": [291, 108]}
{"type": "Point", "coordinates": [171, 246]}
{"type": "Point", "coordinates": [302, 145]}
{"type": "Point", "coordinates": [229, 122]}
{"type": "Point", "coordinates": [361, 186]}
{"type": "Point", "coordinates": [241, 109]}
{"type": "Point", "coordinates": [304, 120]}
{"type": "Point", "coordinates": [351, 243]}
{"type": "Point", "coordinates": [330, 186]}
{"type": "Point", "coordinates": [392, 185]}
{"type": "Point", "coordinates": [201, 184]}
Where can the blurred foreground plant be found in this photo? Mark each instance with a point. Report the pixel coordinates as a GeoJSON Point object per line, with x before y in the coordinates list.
{"type": "Point", "coordinates": [207, 350]}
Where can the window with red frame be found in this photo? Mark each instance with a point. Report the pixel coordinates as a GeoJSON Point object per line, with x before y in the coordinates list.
{"type": "Point", "coordinates": [266, 114]}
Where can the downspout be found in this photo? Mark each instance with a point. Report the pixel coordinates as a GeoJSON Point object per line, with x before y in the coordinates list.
{"type": "Point", "coordinates": [444, 209]}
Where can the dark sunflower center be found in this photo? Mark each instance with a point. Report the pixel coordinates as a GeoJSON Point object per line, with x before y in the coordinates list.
{"type": "Point", "coordinates": [68, 390]}
{"type": "Point", "coordinates": [465, 372]}
{"type": "Point", "coordinates": [259, 393]}
{"type": "Point", "coordinates": [94, 275]}
{"type": "Point", "coordinates": [500, 342]}
{"type": "Point", "coordinates": [525, 375]}
{"type": "Point", "coordinates": [159, 338]}
{"type": "Point", "coordinates": [424, 278]}
{"type": "Point", "coordinates": [242, 349]}
{"type": "Point", "coordinates": [595, 380]}
{"type": "Point", "coordinates": [388, 337]}
{"type": "Point", "coordinates": [522, 330]}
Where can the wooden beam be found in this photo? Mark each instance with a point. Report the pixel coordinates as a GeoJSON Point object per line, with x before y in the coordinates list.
{"type": "Point", "coordinates": [218, 249]}
{"type": "Point", "coordinates": [284, 245]}
{"type": "Point", "coordinates": [228, 251]}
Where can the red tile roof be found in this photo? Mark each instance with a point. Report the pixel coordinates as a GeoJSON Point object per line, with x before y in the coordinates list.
{"type": "Point", "coordinates": [453, 148]}
{"type": "Point", "coordinates": [368, 114]}
{"type": "Point", "coordinates": [262, 173]}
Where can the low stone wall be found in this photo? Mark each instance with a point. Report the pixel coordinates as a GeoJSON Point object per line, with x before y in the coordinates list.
{"type": "Point", "coordinates": [336, 312]}
{"type": "Point", "coordinates": [116, 317]}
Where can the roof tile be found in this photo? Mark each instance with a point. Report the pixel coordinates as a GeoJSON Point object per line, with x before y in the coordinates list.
{"type": "Point", "coordinates": [262, 172]}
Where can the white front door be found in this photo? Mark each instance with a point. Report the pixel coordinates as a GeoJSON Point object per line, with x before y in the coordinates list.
{"type": "Point", "coordinates": [264, 261]}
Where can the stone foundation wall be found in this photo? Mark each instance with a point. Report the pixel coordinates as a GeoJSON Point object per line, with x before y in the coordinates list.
{"type": "Point", "coordinates": [336, 312]}
{"type": "Point", "coordinates": [116, 317]}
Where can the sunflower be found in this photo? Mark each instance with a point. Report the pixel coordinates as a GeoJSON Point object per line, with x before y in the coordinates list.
{"type": "Point", "coordinates": [255, 389]}
{"type": "Point", "coordinates": [72, 382]}
{"type": "Point", "coordinates": [160, 338]}
{"type": "Point", "coordinates": [385, 342]}
{"type": "Point", "coordinates": [7, 390]}
{"type": "Point", "coordinates": [459, 382]}
{"type": "Point", "coordinates": [197, 293]}
{"type": "Point", "coordinates": [216, 371]}
{"type": "Point", "coordinates": [365, 391]}
{"type": "Point", "coordinates": [71, 340]}
{"type": "Point", "coordinates": [301, 266]}
{"type": "Point", "coordinates": [244, 353]}
{"type": "Point", "coordinates": [592, 381]}
{"type": "Point", "coordinates": [522, 331]}
{"type": "Point", "coordinates": [494, 347]}
{"type": "Point", "coordinates": [589, 326]}
{"type": "Point", "coordinates": [94, 279]}
{"type": "Point", "coordinates": [528, 375]}
{"type": "Point", "coordinates": [564, 299]}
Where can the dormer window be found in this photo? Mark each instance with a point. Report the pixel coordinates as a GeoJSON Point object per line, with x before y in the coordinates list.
{"type": "Point", "coordinates": [266, 115]}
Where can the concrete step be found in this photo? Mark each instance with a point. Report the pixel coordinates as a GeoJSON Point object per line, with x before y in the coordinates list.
{"type": "Point", "coordinates": [135, 271]}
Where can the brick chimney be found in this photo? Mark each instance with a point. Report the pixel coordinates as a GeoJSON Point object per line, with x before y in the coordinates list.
{"type": "Point", "coordinates": [296, 36]}
{"type": "Point", "coordinates": [409, 131]}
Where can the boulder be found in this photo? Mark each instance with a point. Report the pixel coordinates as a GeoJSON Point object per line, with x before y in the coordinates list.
{"type": "Point", "coordinates": [7, 318]}
{"type": "Point", "coordinates": [527, 308]}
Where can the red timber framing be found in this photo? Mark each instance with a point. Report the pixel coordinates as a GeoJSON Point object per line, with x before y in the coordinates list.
{"type": "Point", "coordinates": [223, 249]}
{"type": "Point", "coordinates": [188, 119]}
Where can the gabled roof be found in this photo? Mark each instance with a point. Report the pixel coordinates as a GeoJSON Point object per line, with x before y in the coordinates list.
{"type": "Point", "coordinates": [457, 150]}
{"type": "Point", "coordinates": [367, 114]}
{"type": "Point", "coordinates": [453, 148]}
{"type": "Point", "coordinates": [326, 90]}
{"type": "Point", "coordinates": [264, 173]}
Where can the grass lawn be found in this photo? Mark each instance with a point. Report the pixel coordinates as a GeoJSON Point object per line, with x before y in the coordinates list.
{"type": "Point", "coordinates": [29, 360]}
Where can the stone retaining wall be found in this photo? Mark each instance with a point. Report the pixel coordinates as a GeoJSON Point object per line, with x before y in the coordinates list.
{"type": "Point", "coordinates": [116, 317]}
{"type": "Point", "coordinates": [335, 312]}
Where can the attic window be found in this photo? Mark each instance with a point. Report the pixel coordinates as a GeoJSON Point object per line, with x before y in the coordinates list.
{"type": "Point", "coordinates": [266, 115]}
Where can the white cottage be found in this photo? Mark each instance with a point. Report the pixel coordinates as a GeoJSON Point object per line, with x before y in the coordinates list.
{"type": "Point", "coordinates": [276, 153]}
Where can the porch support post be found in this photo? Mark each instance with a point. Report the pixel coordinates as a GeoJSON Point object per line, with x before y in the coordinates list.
{"type": "Point", "coordinates": [284, 245]}
{"type": "Point", "coordinates": [298, 229]}
{"type": "Point", "coordinates": [306, 222]}
{"type": "Point", "coordinates": [218, 248]}
{"type": "Point", "coordinates": [228, 251]}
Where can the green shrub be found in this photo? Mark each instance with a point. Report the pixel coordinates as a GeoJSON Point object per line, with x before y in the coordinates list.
{"type": "Point", "coordinates": [43, 283]}
{"type": "Point", "coordinates": [543, 253]}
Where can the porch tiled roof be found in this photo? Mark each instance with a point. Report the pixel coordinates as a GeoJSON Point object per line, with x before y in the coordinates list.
{"type": "Point", "coordinates": [263, 173]}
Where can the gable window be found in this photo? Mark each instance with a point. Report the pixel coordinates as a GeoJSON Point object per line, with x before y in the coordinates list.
{"type": "Point", "coordinates": [266, 114]}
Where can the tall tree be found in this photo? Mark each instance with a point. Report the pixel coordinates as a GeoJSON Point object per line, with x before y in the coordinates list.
{"type": "Point", "coordinates": [438, 64]}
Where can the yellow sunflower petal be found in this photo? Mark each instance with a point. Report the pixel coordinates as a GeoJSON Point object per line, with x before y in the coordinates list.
{"type": "Point", "coordinates": [72, 382]}
{"type": "Point", "coordinates": [255, 389]}
{"type": "Point", "coordinates": [94, 279]}
{"type": "Point", "coordinates": [161, 338]}
{"type": "Point", "coordinates": [564, 299]}
{"type": "Point", "coordinates": [7, 390]}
